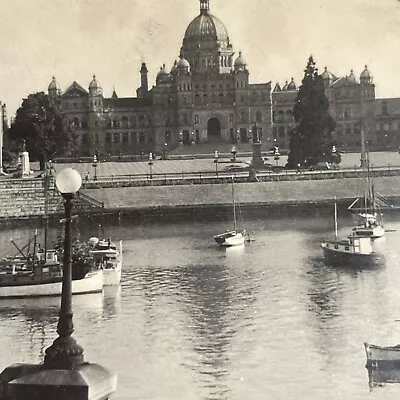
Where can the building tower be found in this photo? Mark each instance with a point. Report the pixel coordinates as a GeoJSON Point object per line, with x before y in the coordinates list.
{"type": "Point", "coordinates": [206, 45]}
{"type": "Point", "coordinates": [144, 85]}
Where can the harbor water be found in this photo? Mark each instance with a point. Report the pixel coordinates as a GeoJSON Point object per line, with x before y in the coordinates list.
{"type": "Point", "coordinates": [191, 321]}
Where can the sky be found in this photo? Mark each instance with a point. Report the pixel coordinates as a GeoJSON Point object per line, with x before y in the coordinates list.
{"type": "Point", "coordinates": [74, 39]}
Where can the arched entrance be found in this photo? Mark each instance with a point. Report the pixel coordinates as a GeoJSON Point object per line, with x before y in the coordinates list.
{"type": "Point", "coordinates": [214, 130]}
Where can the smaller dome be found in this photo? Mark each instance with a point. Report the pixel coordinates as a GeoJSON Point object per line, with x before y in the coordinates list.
{"type": "Point", "coordinates": [277, 88]}
{"type": "Point", "coordinates": [292, 85]}
{"type": "Point", "coordinates": [162, 71]}
{"type": "Point", "coordinates": [240, 63]}
{"type": "Point", "coordinates": [94, 84]}
{"type": "Point", "coordinates": [326, 74]}
{"type": "Point", "coordinates": [351, 78]}
{"type": "Point", "coordinates": [183, 63]}
{"type": "Point", "coordinates": [365, 73]}
{"type": "Point", "coordinates": [54, 85]}
{"type": "Point", "coordinates": [285, 86]}
{"type": "Point", "coordinates": [174, 67]}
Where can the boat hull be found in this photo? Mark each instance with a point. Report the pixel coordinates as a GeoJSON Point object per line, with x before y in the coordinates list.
{"type": "Point", "coordinates": [230, 239]}
{"type": "Point", "coordinates": [338, 258]}
{"type": "Point", "coordinates": [112, 276]}
{"type": "Point", "coordinates": [382, 356]}
{"type": "Point", "coordinates": [91, 283]}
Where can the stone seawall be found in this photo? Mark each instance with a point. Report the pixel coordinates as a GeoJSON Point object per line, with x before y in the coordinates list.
{"type": "Point", "coordinates": [26, 198]}
{"type": "Point", "coordinates": [246, 194]}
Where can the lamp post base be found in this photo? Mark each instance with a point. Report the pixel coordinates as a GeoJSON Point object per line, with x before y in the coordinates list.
{"type": "Point", "coordinates": [33, 382]}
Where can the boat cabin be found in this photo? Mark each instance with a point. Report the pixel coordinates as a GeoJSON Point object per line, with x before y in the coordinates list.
{"type": "Point", "coordinates": [352, 245]}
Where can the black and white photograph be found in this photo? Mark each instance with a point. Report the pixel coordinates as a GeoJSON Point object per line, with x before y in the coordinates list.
{"type": "Point", "coordinates": [199, 200]}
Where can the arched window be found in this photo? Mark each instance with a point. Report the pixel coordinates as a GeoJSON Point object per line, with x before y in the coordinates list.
{"type": "Point", "coordinates": [133, 121]}
{"type": "Point", "coordinates": [221, 98]}
{"type": "Point", "coordinates": [205, 98]}
{"type": "Point", "coordinates": [196, 99]}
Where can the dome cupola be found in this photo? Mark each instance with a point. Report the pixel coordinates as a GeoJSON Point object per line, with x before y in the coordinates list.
{"type": "Point", "coordinates": [94, 87]}
{"type": "Point", "coordinates": [277, 88]}
{"type": "Point", "coordinates": [54, 88]}
{"type": "Point", "coordinates": [162, 75]}
{"type": "Point", "coordinates": [183, 64]}
{"type": "Point", "coordinates": [351, 78]}
{"type": "Point", "coordinates": [365, 76]}
{"type": "Point", "coordinates": [292, 85]}
{"type": "Point", "coordinates": [240, 63]}
{"type": "Point", "coordinates": [206, 43]}
{"type": "Point", "coordinates": [285, 86]}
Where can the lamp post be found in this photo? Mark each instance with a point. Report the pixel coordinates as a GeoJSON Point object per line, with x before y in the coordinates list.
{"type": "Point", "coordinates": [216, 156]}
{"type": "Point", "coordinates": [64, 374]}
{"type": "Point", "coordinates": [234, 152]}
{"type": "Point", "coordinates": [95, 162]}
{"type": "Point", "coordinates": [151, 165]}
{"type": "Point", "coordinates": [65, 353]}
{"type": "Point", "coordinates": [277, 154]}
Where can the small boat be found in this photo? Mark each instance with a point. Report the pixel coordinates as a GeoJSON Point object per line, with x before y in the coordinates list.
{"type": "Point", "coordinates": [41, 275]}
{"type": "Point", "coordinates": [231, 237]}
{"type": "Point", "coordinates": [354, 250]}
{"type": "Point", "coordinates": [370, 227]}
{"type": "Point", "coordinates": [382, 356]}
{"type": "Point", "coordinates": [107, 257]}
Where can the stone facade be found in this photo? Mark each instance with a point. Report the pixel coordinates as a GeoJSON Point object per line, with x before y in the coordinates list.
{"type": "Point", "coordinates": [206, 97]}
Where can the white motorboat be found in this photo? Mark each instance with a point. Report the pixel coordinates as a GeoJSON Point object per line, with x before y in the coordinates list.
{"type": "Point", "coordinates": [107, 257]}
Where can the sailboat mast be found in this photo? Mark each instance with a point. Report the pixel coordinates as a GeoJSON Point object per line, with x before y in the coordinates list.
{"type": "Point", "coordinates": [234, 206]}
{"type": "Point", "coordinates": [336, 224]}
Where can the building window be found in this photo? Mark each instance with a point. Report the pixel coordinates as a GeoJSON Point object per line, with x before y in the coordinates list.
{"type": "Point", "coordinates": [125, 137]}
{"type": "Point", "coordinates": [116, 138]}
{"type": "Point", "coordinates": [133, 121]}
{"type": "Point", "coordinates": [231, 118]}
{"type": "Point", "coordinates": [141, 121]}
{"type": "Point", "coordinates": [142, 137]}
{"type": "Point", "coordinates": [281, 131]}
{"type": "Point", "coordinates": [196, 119]}
{"type": "Point", "coordinates": [259, 116]}
{"type": "Point", "coordinates": [243, 117]}
{"type": "Point", "coordinates": [96, 123]}
{"type": "Point", "coordinates": [108, 138]}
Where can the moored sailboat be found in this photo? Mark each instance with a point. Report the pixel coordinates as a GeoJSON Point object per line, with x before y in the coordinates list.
{"type": "Point", "coordinates": [232, 237]}
{"type": "Point", "coordinates": [371, 220]}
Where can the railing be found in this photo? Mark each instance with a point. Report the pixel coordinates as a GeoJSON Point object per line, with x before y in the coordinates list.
{"type": "Point", "coordinates": [90, 200]}
{"type": "Point", "coordinates": [181, 178]}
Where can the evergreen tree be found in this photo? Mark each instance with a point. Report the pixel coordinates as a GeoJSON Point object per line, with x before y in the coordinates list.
{"type": "Point", "coordinates": [44, 128]}
{"type": "Point", "coordinates": [311, 138]}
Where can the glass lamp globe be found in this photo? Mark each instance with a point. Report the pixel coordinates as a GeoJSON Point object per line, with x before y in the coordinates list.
{"type": "Point", "coordinates": [68, 181]}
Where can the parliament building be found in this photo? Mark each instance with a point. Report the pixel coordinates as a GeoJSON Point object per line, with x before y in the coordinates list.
{"type": "Point", "coordinates": [206, 96]}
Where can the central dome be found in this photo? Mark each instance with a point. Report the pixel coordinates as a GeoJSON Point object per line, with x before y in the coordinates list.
{"type": "Point", "coordinates": [206, 26]}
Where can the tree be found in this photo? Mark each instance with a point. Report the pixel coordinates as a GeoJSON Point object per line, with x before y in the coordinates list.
{"type": "Point", "coordinates": [311, 138]}
{"type": "Point", "coordinates": [44, 128]}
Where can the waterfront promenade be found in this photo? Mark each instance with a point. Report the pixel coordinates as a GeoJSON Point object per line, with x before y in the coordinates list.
{"type": "Point", "coordinates": [193, 184]}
